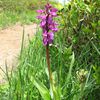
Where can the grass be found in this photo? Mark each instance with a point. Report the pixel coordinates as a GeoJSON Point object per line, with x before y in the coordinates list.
{"type": "Point", "coordinates": [31, 74]}
{"type": "Point", "coordinates": [74, 58]}
{"type": "Point", "coordinates": [8, 18]}
{"type": "Point", "coordinates": [22, 11]}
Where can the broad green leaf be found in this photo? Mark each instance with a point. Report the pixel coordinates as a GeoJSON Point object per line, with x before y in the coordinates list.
{"type": "Point", "coordinates": [42, 89]}
{"type": "Point", "coordinates": [55, 86]}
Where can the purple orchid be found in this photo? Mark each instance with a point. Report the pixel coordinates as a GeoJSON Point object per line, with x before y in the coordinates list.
{"type": "Point", "coordinates": [47, 24]}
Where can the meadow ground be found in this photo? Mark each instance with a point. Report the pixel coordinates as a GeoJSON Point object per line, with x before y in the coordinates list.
{"type": "Point", "coordinates": [74, 54]}
{"type": "Point", "coordinates": [10, 44]}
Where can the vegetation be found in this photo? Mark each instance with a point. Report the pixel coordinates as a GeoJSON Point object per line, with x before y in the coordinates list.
{"type": "Point", "coordinates": [24, 11]}
{"type": "Point", "coordinates": [74, 56]}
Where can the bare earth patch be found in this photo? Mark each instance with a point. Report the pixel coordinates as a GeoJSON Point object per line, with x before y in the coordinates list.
{"type": "Point", "coordinates": [10, 44]}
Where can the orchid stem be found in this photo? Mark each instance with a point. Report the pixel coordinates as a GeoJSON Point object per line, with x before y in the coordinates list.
{"type": "Point", "coordinates": [49, 69]}
{"type": "Point", "coordinates": [48, 63]}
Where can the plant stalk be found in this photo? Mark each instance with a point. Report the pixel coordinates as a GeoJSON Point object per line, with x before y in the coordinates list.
{"type": "Point", "coordinates": [49, 69]}
{"type": "Point", "coordinates": [48, 63]}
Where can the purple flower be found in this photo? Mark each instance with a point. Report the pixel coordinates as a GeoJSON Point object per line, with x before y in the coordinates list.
{"type": "Point", "coordinates": [48, 38]}
{"type": "Point", "coordinates": [54, 10]}
{"type": "Point", "coordinates": [43, 23]}
{"type": "Point", "coordinates": [40, 11]}
{"type": "Point", "coordinates": [47, 24]}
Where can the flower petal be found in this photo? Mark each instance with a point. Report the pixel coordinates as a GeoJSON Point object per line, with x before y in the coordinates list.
{"type": "Point", "coordinates": [50, 37]}
{"type": "Point", "coordinates": [43, 22]}
{"type": "Point", "coordinates": [40, 11]}
{"type": "Point", "coordinates": [54, 10]}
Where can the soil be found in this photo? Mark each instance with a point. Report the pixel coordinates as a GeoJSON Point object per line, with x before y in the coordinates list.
{"type": "Point", "coordinates": [10, 44]}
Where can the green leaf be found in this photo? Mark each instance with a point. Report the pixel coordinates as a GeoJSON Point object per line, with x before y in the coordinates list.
{"type": "Point", "coordinates": [42, 89]}
{"type": "Point", "coordinates": [56, 89]}
{"type": "Point", "coordinates": [71, 66]}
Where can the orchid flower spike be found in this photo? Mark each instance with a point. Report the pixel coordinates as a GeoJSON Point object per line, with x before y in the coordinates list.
{"type": "Point", "coordinates": [48, 25]}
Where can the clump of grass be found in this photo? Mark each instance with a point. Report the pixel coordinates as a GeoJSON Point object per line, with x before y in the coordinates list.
{"type": "Point", "coordinates": [74, 52]}
{"type": "Point", "coordinates": [23, 11]}
{"type": "Point", "coordinates": [8, 18]}
{"type": "Point", "coordinates": [31, 74]}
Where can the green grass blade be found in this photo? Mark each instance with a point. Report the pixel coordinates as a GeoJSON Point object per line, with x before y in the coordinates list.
{"type": "Point", "coordinates": [71, 66]}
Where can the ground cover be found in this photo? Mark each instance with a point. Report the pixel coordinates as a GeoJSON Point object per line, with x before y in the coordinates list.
{"type": "Point", "coordinates": [74, 59]}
